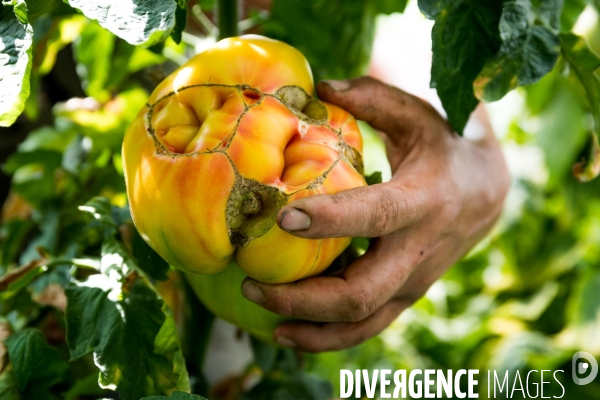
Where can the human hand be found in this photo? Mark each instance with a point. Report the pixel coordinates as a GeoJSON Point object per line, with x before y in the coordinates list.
{"type": "Point", "coordinates": [445, 194]}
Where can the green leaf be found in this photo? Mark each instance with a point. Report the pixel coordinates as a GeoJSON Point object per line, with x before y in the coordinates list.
{"type": "Point", "coordinates": [375, 178]}
{"type": "Point", "coordinates": [584, 61]}
{"type": "Point", "coordinates": [20, 9]}
{"type": "Point", "coordinates": [207, 5]}
{"type": "Point", "coordinates": [34, 174]}
{"type": "Point", "coordinates": [16, 40]}
{"type": "Point", "coordinates": [390, 6]}
{"type": "Point", "coordinates": [8, 385]}
{"type": "Point", "coordinates": [176, 395]}
{"type": "Point", "coordinates": [147, 259]}
{"type": "Point", "coordinates": [101, 210]}
{"type": "Point", "coordinates": [134, 342]}
{"type": "Point", "coordinates": [93, 52]}
{"type": "Point", "coordinates": [465, 37]}
{"type": "Point", "coordinates": [127, 60]}
{"type": "Point", "coordinates": [82, 387]}
{"type": "Point", "coordinates": [13, 234]}
{"type": "Point", "coordinates": [561, 134]}
{"type": "Point", "coordinates": [38, 8]}
{"type": "Point", "coordinates": [37, 366]}
{"type": "Point", "coordinates": [109, 216]}
{"type": "Point", "coordinates": [529, 50]}
{"type": "Point", "coordinates": [21, 283]}
{"type": "Point", "coordinates": [139, 22]}
{"type": "Point", "coordinates": [296, 385]}
{"type": "Point", "coordinates": [180, 20]}
{"type": "Point", "coordinates": [265, 355]}
{"type": "Point", "coordinates": [336, 36]}
{"type": "Point", "coordinates": [572, 9]}
{"type": "Point", "coordinates": [115, 259]}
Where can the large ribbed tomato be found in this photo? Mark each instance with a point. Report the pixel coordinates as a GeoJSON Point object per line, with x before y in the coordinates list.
{"type": "Point", "coordinates": [223, 144]}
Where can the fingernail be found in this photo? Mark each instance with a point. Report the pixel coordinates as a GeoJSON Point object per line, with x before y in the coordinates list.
{"type": "Point", "coordinates": [338, 85]}
{"type": "Point", "coordinates": [252, 292]}
{"type": "Point", "coordinates": [286, 342]}
{"type": "Point", "coordinates": [295, 220]}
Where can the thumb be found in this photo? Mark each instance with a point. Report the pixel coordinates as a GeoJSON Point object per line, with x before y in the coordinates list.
{"type": "Point", "coordinates": [366, 211]}
{"type": "Point", "coordinates": [384, 107]}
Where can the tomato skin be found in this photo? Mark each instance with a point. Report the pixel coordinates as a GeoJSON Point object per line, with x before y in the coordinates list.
{"type": "Point", "coordinates": [223, 144]}
{"type": "Point", "coordinates": [221, 294]}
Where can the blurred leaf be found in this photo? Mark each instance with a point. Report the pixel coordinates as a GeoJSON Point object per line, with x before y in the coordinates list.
{"type": "Point", "coordinates": [132, 338]}
{"type": "Point", "coordinates": [561, 132]}
{"type": "Point", "coordinates": [293, 386]}
{"type": "Point", "coordinates": [540, 94]}
{"type": "Point", "coordinates": [572, 9]}
{"type": "Point", "coordinates": [93, 51]}
{"type": "Point", "coordinates": [465, 37]}
{"type": "Point", "coordinates": [12, 237]}
{"type": "Point", "coordinates": [129, 59]}
{"type": "Point", "coordinates": [148, 260]}
{"type": "Point", "coordinates": [336, 36]}
{"type": "Point", "coordinates": [584, 61]}
{"type": "Point", "coordinates": [176, 395]}
{"type": "Point", "coordinates": [584, 303]}
{"type": "Point", "coordinates": [8, 384]}
{"type": "Point", "coordinates": [46, 138]}
{"type": "Point", "coordinates": [19, 284]}
{"type": "Point", "coordinates": [264, 354]}
{"type": "Point", "coordinates": [37, 8]}
{"type": "Point", "coordinates": [16, 39]}
{"type": "Point", "coordinates": [207, 5]}
{"type": "Point", "coordinates": [34, 175]}
{"type": "Point", "coordinates": [180, 20]}
{"type": "Point", "coordinates": [375, 178]}
{"type": "Point", "coordinates": [529, 50]}
{"type": "Point", "coordinates": [36, 365]}
{"type": "Point", "coordinates": [82, 387]}
{"type": "Point", "coordinates": [391, 6]}
{"type": "Point", "coordinates": [139, 22]}
{"type": "Point", "coordinates": [60, 34]}
{"type": "Point", "coordinates": [101, 210]}
{"type": "Point", "coordinates": [47, 238]}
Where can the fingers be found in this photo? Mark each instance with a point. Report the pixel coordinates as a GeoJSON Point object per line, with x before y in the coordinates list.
{"type": "Point", "coordinates": [315, 338]}
{"type": "Point", "coordinates": [364, 287]}
{"type": "Point", "coordinates": [366, 211]}
{"type": "Point", "coordinates": [384, 107]}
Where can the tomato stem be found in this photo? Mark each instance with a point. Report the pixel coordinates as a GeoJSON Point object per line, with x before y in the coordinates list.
{"type": "Point", "coordinates": [228, 18]}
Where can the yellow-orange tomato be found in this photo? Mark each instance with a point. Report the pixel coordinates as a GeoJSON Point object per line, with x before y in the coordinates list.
{"type": "Point", "coordinates": [223, 144]}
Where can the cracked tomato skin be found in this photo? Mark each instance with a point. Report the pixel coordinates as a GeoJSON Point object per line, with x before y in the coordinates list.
{"type": "Point", "coordinates": [223, 144]}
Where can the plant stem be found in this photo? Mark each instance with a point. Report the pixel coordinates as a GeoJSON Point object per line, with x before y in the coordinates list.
{"type": "Point", "coordinates": [228, 18]}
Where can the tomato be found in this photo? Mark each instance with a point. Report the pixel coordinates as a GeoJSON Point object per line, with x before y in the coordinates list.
{"type": "Point", "coordinates": [223, 144]}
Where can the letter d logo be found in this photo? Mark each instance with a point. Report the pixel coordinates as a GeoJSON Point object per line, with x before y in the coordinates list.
{"type": "Point", "coordinates": [583, 367]}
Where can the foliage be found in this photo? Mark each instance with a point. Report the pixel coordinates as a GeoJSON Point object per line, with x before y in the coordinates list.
{"type": "Point", "coordinates": [80, 285]}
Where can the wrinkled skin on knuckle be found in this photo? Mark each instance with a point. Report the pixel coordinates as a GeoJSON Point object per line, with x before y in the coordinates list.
{"type": "Point", "coordinates": [388, 211]}
{"type": "Point", "coordinates": [221, 147]}
{"type": "Point", "coordinates": [358, 306]}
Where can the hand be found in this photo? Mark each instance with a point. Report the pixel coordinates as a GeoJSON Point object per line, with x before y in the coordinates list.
{"type": "Point", "coordinates": [445, 195]}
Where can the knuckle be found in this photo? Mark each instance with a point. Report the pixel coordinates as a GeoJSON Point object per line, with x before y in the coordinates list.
{"type": "Point", "coordinates": [358, 307]}
{"type": "Point", "coordinates": [384, 215]}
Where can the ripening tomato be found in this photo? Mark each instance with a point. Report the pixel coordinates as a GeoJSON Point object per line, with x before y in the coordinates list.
{"type": "Point", "coordinates": [223, 144]}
